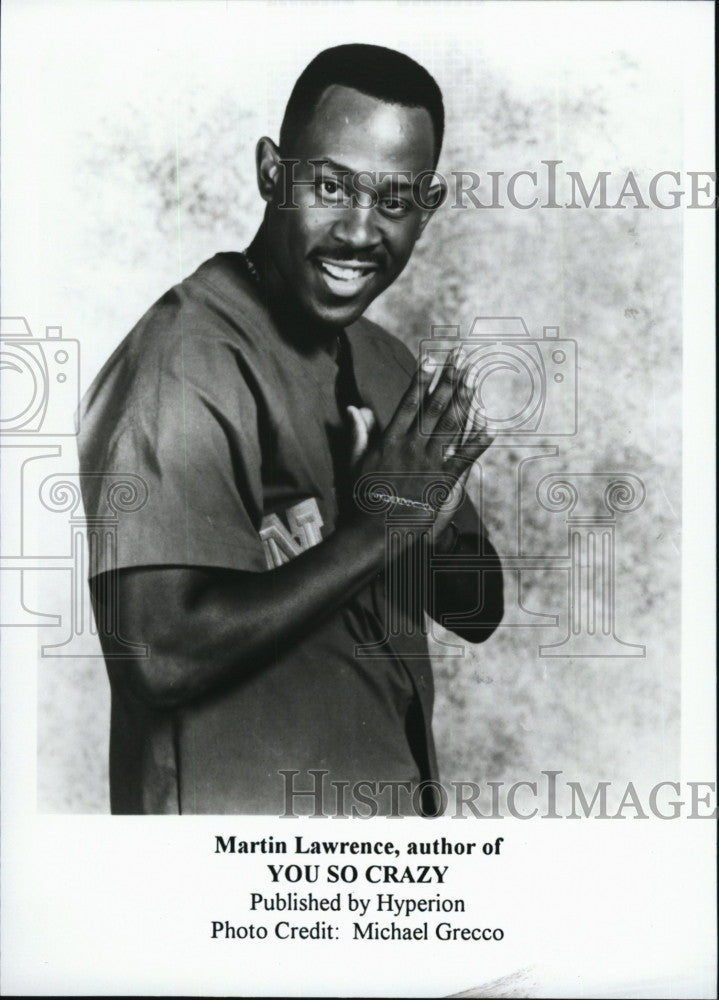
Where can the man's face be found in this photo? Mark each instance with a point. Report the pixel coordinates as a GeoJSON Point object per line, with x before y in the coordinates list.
{"type": "Point", "coordinates": [351, 232]}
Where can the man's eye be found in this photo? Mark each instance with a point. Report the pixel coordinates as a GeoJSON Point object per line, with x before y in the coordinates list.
{"type": "Point", "coordinates": [395, 207]}
{"type": "Point", "coordinates": [330, 189]}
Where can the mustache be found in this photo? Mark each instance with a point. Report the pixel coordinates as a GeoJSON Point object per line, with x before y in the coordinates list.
{"type": "Point", "coordinates": [343, 254]}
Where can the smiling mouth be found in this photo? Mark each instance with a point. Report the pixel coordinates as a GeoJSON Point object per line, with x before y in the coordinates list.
{"type": "Point", "coordinates": [345, 277]}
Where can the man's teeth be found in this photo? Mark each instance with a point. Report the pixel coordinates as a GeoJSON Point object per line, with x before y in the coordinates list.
{"type": "Point", "coordinates": [344, 272]}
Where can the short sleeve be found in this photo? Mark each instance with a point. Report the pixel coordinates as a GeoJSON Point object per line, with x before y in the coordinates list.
{"type": "Point", "coordinates": [173, 416]}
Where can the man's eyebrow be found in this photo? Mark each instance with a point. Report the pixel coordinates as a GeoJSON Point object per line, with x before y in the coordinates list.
{"type": "Point", "coordinates": [396, 179]}
{"type": "Point", "coordinates": [339, 168]}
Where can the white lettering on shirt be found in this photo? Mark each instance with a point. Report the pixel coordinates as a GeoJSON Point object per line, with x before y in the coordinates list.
{"type": "Point", "coordinates": [280, 545]}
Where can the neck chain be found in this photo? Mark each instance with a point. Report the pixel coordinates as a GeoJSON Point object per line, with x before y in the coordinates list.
{"type": "Point", "coordinates": [251, 268]}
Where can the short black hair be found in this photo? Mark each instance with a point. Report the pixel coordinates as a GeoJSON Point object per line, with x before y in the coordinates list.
{"type": "Point", "coordinates": [375, 71]}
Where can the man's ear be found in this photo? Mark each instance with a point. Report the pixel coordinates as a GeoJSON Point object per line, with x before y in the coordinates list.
{"type": "Point", "coordinates": [269, 168]}
{"type": "Point", "coordinates": [429, 196]}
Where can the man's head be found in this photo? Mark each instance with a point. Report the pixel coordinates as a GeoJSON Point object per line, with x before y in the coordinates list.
{"type": "Point", "coordinates": [362, 123]}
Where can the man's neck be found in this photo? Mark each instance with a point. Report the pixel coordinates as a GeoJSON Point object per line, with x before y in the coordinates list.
{"type": "Point", "coordinates": [305, 331]}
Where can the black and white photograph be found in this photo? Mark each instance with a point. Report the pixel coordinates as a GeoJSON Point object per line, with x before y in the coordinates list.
{"type": "Point", "coordinates": [358, 503]}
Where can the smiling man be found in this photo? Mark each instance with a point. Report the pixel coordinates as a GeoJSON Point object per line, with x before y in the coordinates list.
{"type": "Point", "coordinates": [285, 639]}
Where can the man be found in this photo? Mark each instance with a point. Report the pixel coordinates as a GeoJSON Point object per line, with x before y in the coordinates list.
{"type": "Point", "coordinates": [257, 406]}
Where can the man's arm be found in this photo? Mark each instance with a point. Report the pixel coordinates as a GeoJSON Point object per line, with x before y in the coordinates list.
{"type": "Point", "coordinates": [467, 601]}
{"type": "Point", "coordinates": [206, 628]}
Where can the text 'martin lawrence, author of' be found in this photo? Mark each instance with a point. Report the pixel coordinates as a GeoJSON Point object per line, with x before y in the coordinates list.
{"type": "Point", "coordinates": [281, 614]}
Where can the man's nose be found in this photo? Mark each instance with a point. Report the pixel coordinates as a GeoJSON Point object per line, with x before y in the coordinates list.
{"type": "Point", "coordinates": [357, 227]}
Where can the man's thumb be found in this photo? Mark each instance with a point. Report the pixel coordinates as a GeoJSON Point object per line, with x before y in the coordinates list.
{"type": "Point", "coordinates": [363, 421]}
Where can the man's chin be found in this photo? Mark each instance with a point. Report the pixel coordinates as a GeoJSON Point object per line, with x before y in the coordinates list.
{"type": "Point", "coordinates": [338, 313]}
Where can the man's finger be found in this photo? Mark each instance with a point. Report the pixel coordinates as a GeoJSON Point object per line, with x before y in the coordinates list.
{"type": "Point", "coordinates": [437, 414]}
{"type": "Point", "coordinates": [461, 415]}
{"type": "Point", "coordinates": [471, 409]}
{"type": "Point", "coordinates": [463, 454]}
{"type": "Point", "coordinates": [406, 411]}
{"type": "Point", "coordinates": [362, 421]}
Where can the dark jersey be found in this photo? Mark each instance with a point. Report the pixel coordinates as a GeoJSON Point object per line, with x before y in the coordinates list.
{"type": "Point", "coordinates": [241, 438]}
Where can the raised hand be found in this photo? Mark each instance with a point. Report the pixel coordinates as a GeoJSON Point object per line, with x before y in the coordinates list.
{"type": "Point", "coordinates": [429, 445]}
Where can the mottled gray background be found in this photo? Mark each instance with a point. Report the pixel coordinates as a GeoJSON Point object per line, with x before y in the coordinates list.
{"type": "Point", "coordinates": [140, 127]}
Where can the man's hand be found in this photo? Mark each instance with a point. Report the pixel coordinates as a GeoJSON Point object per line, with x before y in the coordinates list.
{"type": "Point", "coordinates": [431, 440]}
